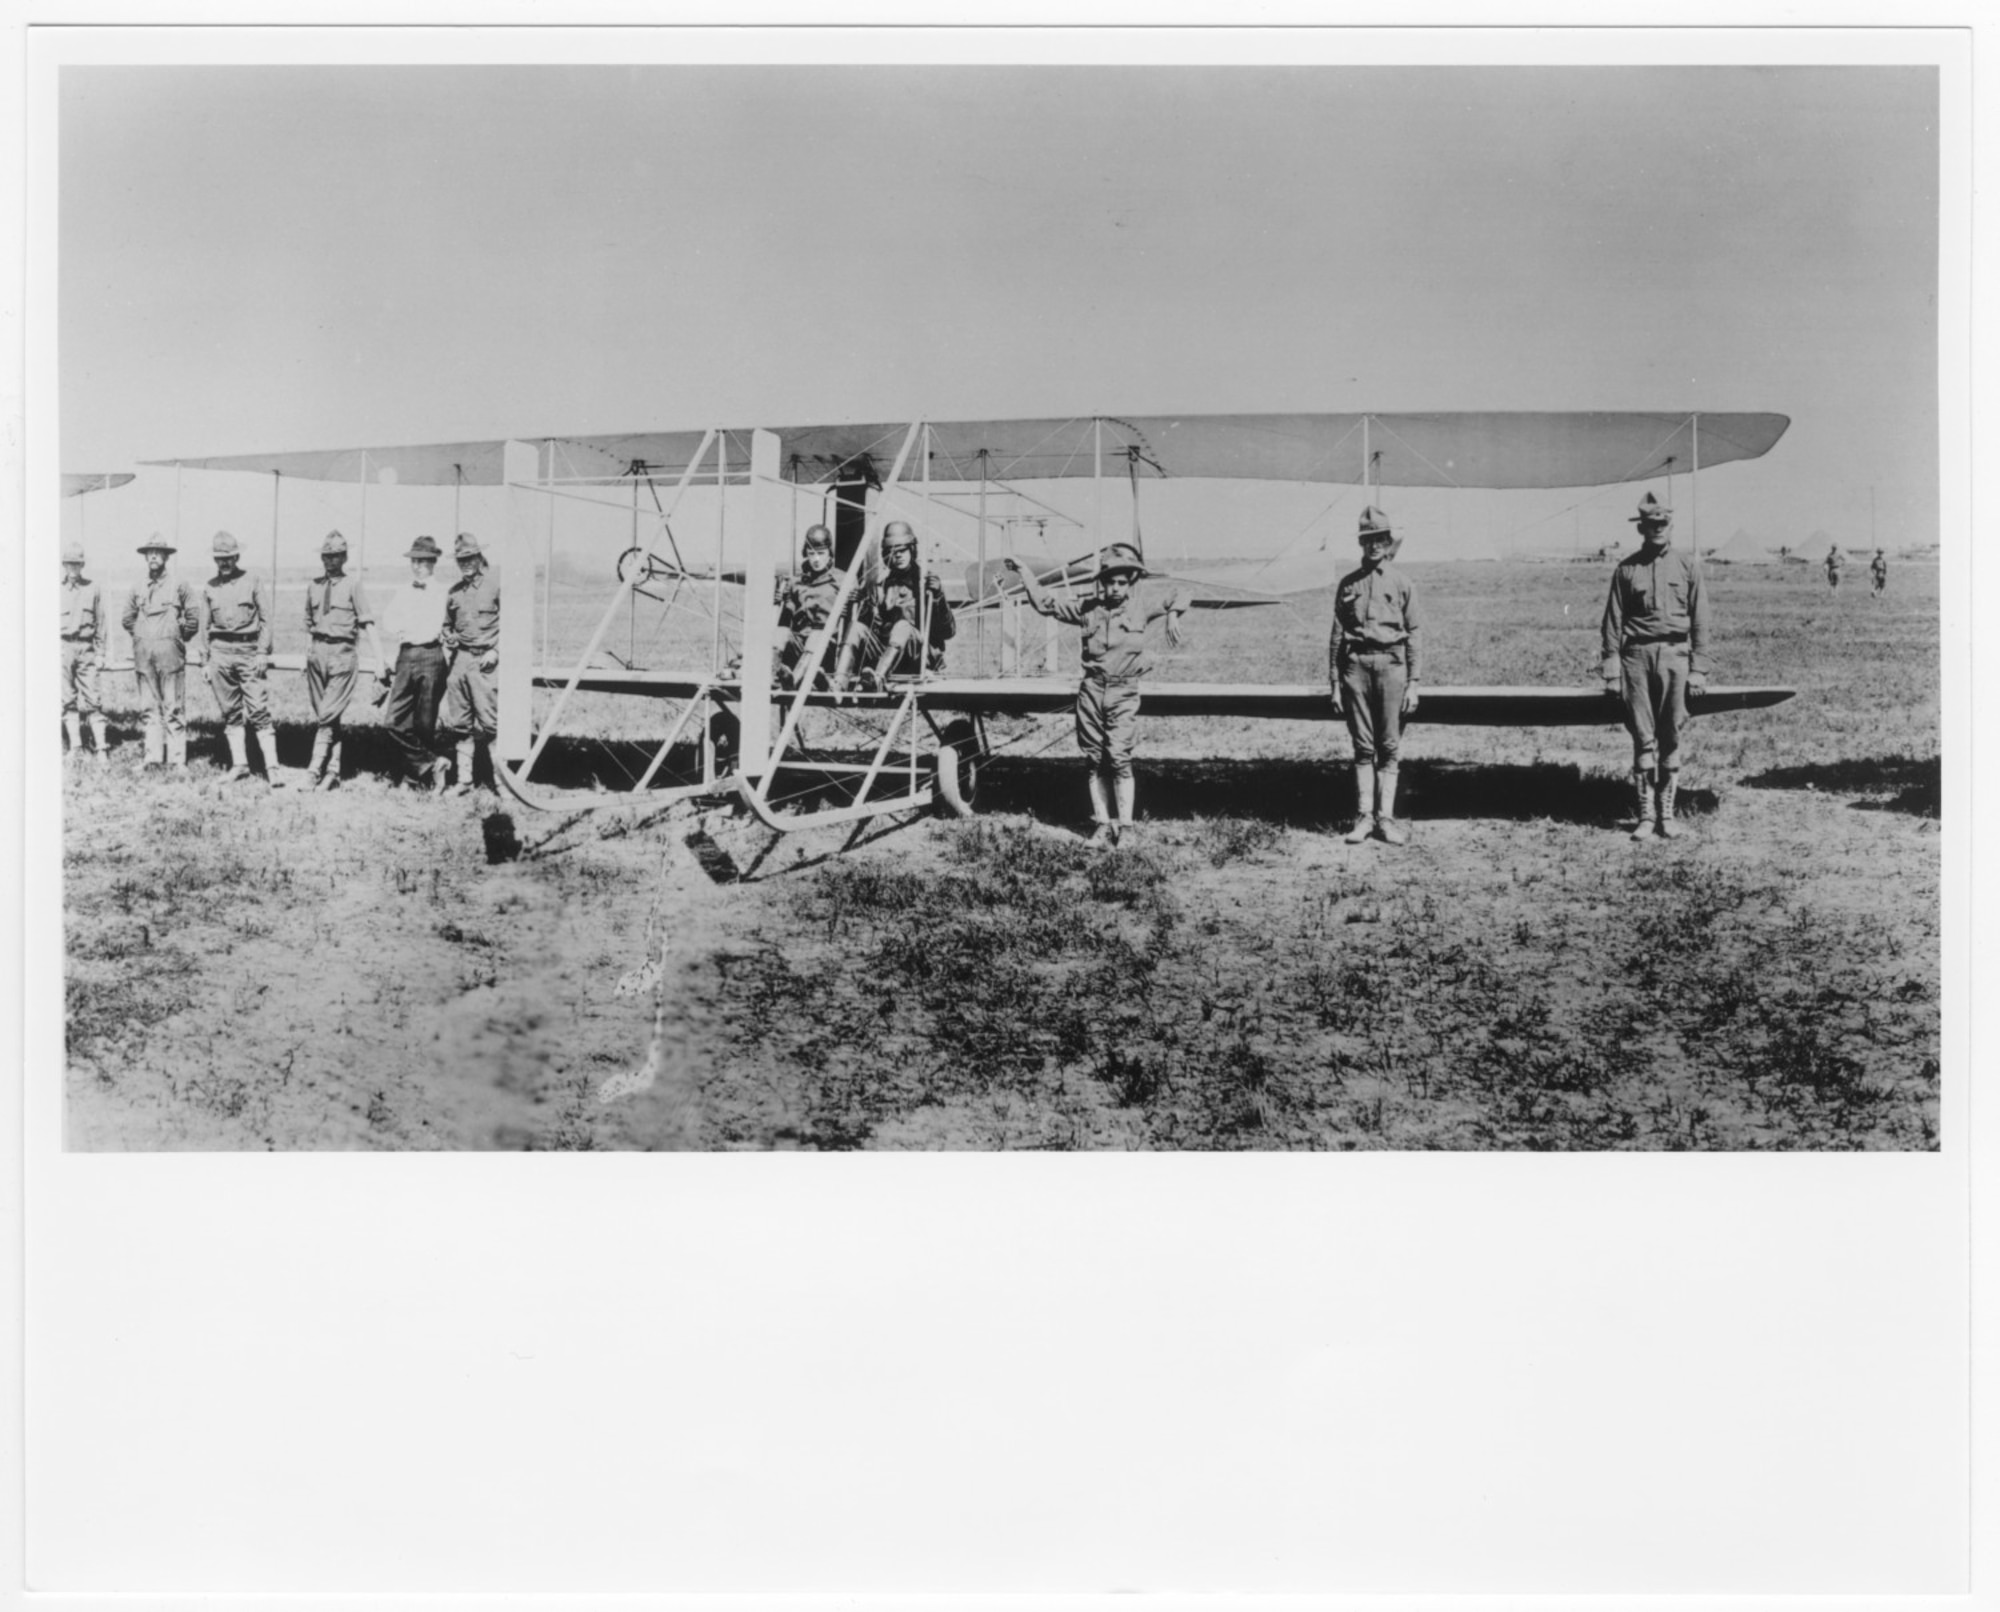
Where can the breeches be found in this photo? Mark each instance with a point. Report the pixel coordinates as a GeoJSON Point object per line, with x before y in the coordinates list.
{"type": "Point", "coordinates": [872, 646]}
{"type": "Point", "coordinates": [469, 704]}
{"type": "Point", "coordinates": [236, 677]}
{"type": "Point", "coordinates": [330, 669]}
{"type": "Point", "coordinates": [1372, 685]}
{"type": "Point", "coordinates": [1655, 680]}
{"type": "Point", "coordinates": [1107, 725]}
{"type": "Point", "coordinates": [411, 712]}
{"type": "Point", "coordinates": [792, 654]}
{"type": "Point", "coordinates": [79, 678]}
{"type": "Point", "coordinates": [162, 692]}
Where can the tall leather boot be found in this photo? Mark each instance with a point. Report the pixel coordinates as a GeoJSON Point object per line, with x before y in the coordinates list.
{"type": "Point", "coordinates": [177, 751]}
{"type": "Point", "coordinates": [316, 768]}
{"type": "Point", "coordinates": [156, 745]}
{"type": "Point", "coordinates": [332, 777]}
{"type": "Point", "coordinates": [267, 745]}
{"type": "Point", "coordinates": [466, 756]}
{"type": "Point", "coordinates": [100, 739]}
{"type": "Point", "coordinates": [73, 727]}
{"type": "Point", "coordinates": [1364, 803]}
{"type": "Point", "coordinates": [1670, 783]}
{"type": "Point", "coordinates": [1642, 793]}
{"type": "Point", "coordinates": [1102, 834]}
{"type": "Point", "coordinates": [239, 753]}
{"type": "Point", "coordinates": [1386, 825]}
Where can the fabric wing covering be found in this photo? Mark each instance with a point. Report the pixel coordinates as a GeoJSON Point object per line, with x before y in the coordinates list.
{"type": "Point", "coordinates": [1493, 450]}
{"type": "Point", "coordinates": [74, 483]}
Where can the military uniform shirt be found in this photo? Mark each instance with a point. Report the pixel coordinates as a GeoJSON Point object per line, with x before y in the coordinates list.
{"type": "Point", "coordinates": [1114, 636]}
{"type": "Point", "coordinates": [337, 608]}
{"type": "Point", "coordinates": [234, 606]}
{"type": "Point", "coordinates": [161, 615]}
{"type": "Point", "coordinates": [1655, 600]}
{"type": "Point", "coordinates": [472, 611]}
{"type": "Point", "coordinates": [1374, 610]}
{"type": "Point", "coordinates": [82, 611]}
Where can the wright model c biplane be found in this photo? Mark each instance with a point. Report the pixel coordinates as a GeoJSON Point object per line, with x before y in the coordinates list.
{"type": "Point", "coordinates": [689, 627]}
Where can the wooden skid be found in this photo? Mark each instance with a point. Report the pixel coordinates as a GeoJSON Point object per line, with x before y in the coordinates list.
{"type": "Point", "coordinates": [919, 799]}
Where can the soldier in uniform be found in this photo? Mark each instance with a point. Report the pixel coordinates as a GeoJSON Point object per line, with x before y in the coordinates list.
{"type": "Point", "coordinates": [1654, 640]}
{"type": "Point", "coordinates": [472, 640]}
{"type": "Point", "coordinates": [336, 613]}
{"type": "Point", "coordinates": [82, 652]}
{"type": "Point", "coordinates": [901, 622]}
{"type": "Point", "coordinates": [1373, 660]}
{"type": "Point", "coordinates": [1878, 574]}
{"type": "Point", "coordinates": [1114, 627]}
{"type": "Point", "coordinates": [1835, 562]}
{"type": "Point", "coordinates": [236, 620]}
{"type": "Point", "coordinates": [161, 618]}
{"type": "Point", "coordinates": [805, 602]}
{"type": "Point", "coordinates": [415, 623]}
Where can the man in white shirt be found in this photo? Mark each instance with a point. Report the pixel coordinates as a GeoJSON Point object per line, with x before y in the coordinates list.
{"type": "Point", "coordinates": [414, 622]}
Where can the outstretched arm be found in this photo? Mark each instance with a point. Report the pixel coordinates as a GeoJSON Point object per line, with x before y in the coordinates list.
{"type": "Point", "coordinates": [1042, 599]}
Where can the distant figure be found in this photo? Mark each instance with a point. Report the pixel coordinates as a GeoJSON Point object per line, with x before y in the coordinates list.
{"type": "Point", "coordinates": [1373, 663]}
{"type": "Point", "coordinates": [1114, 661]}
{"type": "Point", "coordinates": [336, 613]}
{"type": "Point", "coordinates": [414, 621]}
{"type": "Point", "coordinates": [804, 604]}
{"type": "Point", "coordinates": [1654, 637]}
{"type": "Point", "coordinates": [901, 622]}
{"type": "Point", "coordinates": [1878, 574]}
{"type": "Point", "coordinates": [162, 618]}
{"type": "Point", "coordinates": [236, 621]}
{"type": "Point", "coordinates": [472, 640]}
{"type": "Point", "coordinates": [1834, 565]}
{"type": "Point", "coordinates": [82, 654]}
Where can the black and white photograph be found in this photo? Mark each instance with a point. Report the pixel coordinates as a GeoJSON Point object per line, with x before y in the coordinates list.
{"type": "Point", "coordinates": [845, 812]}
{"type": "Point", "coordinates": [1082, 607]}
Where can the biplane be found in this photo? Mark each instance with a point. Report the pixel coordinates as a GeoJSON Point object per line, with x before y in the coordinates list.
{"type": "Point", "coordinates": [704, 523]}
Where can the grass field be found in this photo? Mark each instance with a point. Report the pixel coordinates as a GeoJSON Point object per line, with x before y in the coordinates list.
{"type": "Point", "coordinates": [251, 969]}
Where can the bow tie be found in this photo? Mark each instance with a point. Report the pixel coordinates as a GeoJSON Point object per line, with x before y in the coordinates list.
{"type": "Point", "coordinates": [419, 584]}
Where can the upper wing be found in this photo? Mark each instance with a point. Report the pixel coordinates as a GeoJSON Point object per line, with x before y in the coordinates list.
{"type": "Point", "coordinates": [1407, 450]}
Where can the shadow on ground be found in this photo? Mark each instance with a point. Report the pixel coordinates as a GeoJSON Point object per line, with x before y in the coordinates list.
{"type": "Point", "coordinates": [566, 763]}
{"type": "Point", "coordinates": [1911, 784]}
{"type": "Point", "coordinates": [1288, 792]}
{"type": "Point", "coordinates": [1318, 795]}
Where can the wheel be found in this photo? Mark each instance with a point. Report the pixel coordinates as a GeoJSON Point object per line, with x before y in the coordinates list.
{"type": "Point", "coordinates": [959, 765]}
{"type": "Point", "coordinates": [635, 559]}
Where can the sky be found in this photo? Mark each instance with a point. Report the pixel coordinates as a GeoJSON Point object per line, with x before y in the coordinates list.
{"type": "Point", "coordinates": [263, 258]}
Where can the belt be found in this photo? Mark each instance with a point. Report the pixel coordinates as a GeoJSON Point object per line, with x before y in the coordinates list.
{"type": "Point", "coordinates": [1662, 638]}
{"type": "Point", "coordinates": [233, 637]}
{"type": "Point", "coordinates": [1377, 649]}
{"type": "Point", "coordinates": [429, 643]}
{"type": "Point", "coordinates": [79, 638]}
{"type": "Point", "coordinates": [329, 638]}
